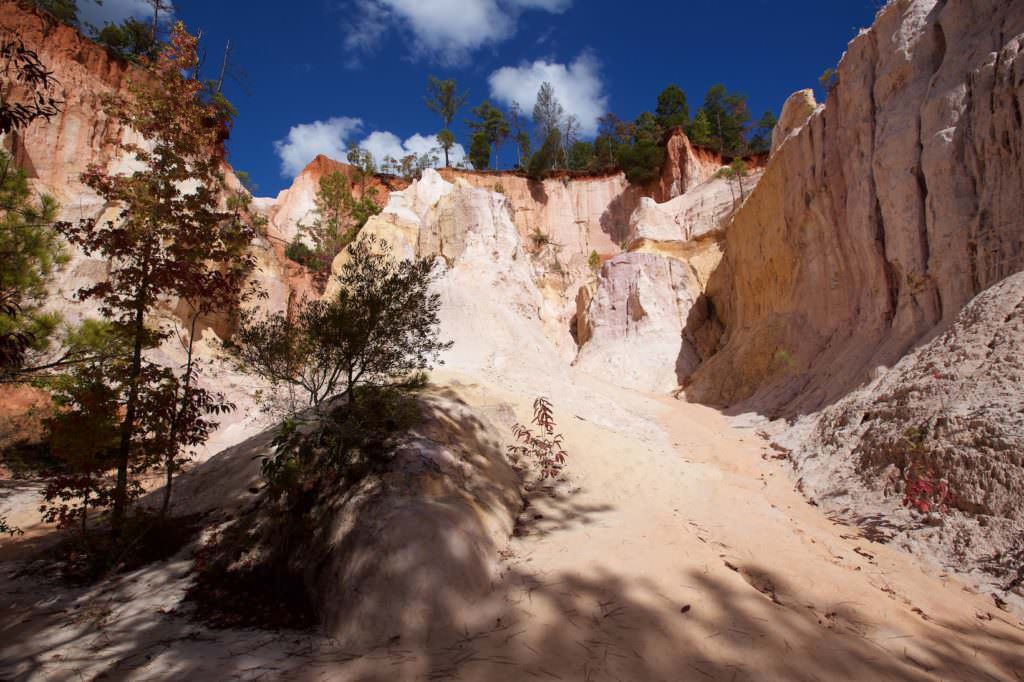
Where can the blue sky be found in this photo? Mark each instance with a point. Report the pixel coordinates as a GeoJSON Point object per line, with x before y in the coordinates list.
{"type": "Point", "coordinates": [321, 72]}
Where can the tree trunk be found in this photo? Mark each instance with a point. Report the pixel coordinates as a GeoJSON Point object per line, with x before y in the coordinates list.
{"type": "Point", "coordinates": [176, 422]}
{"type": "Point", "coordinates": [128, 425]}
{"type": "Point", "coordinates": [224, 66]}
{"type": "Point", "coordinates": [447, 164]}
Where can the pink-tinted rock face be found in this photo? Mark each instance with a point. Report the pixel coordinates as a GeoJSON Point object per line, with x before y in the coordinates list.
{"type": "Point", "coordinates": [297, 205]}
{"type": "Point", "coordinates": [884, 214]}
{"type": "Point", "coordinates": [685, 167]}
{"type": "Point", "coordinates": [57, 152]}
{"type": "Point", "coordinates": [797, 109]}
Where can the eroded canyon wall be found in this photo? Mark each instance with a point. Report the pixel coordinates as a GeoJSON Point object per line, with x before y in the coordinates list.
{"type": "Point", "coordinates": [883, 215]}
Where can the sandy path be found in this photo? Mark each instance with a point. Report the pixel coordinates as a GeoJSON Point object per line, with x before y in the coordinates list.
{"type": "Point", "coordinates": [696, 558]}
{"type": "Point", "coordinates": [674, 551]}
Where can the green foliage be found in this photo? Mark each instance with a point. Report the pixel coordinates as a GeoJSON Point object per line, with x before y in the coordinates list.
{"type": "Point", "coordinates": [642, 161]}
{"type": "Point", "coordinates": [545, 158]}
{"type": "Point", "coordinates": [672, 108]}
{"type": "Point", "coordinates": [65, 11]}
{"type": "Point", "coordinates": [247, 182]}
{"type": "Point", "coordinates": [380, 328]}
{"type": "Point", "coordinates": [699, 130]}
{"type": "Point", "coordinates": [84, 437]}
{"type": "Point", "coordinates": [300, 252]}
{"type": "Point", "coordinates": [761, 140]}
{"type": "Point", "coordinates": [491, 125]}
{"type": "Point", "coordinates": [647, 129]}
{"type": "Point", "coordinates": [340, 216]}
{"type": "Point", "coordinates": [480, 151]}
{"type": "Point", "coordinates": [524, 148]}
{"type": "Point", "coordinates": [362, 164]}
{"type": "Point", "coordinates": [594, 261]}
{"type": "Point", "coordinates": [132, 39]}
{"type": "Point", "coordinates": [547, 112]}
{"type": "Point", "coordinates": [30, 250]}
{"type": "Point", "coordinates": [735, 172]}
{"type": "Point", "coordinates": [828, 79]}
{"type": "Point", "coordinates": [166, 241]}
{"type": "Point", "coordinates": [349, 441]}
{"type": "Point", "coordinates": [213, 96]}
{"type": "Point", "coordinates": [411, 166]}
{"type": "Point", "coordinates": [446, 140]}
{"type": "Point", "coordinates": [581, 156]}
{"type": "Point", "coordinates": [727, 117]}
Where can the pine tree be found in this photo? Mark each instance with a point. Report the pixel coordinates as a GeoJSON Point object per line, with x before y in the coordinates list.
{"type": "Point", "coordinates": [492, 125]}
{"type": "Point", "coordinates": [672, 108]}
{"type": "Point", "coordinates": [444, 100]}
{"type": "Point", "coordinates": [699, 130]}
{"type": "Point", "coordinates": [547, 112]}
{"type": "Point", "coordinates": [29, 250]}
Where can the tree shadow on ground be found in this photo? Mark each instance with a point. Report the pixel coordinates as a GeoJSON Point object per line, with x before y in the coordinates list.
{"type": "Point", "coordinates": [737, 622]}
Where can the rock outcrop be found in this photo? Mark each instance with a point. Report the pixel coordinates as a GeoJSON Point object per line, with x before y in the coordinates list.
{"type": "Point", "coordinates": [630, 327]}
{"type": "Point", "coordinates": [953, 411]}
{"type": "Point", "coordinates": [795, 111]}
{"type": "Point", "coordinates": [630, 323]}
{"type": "Point", "coordinates": [494, 306]}
{"type": "Point", "coordinates": [403, 552]}
{"type": "Point", "coordinates": [296, 205]}
{"type": "Point", "coordinates": [56, 153]}
{"type": "Point", "coordinates": [883, 215]}
{"type": "Point", "coordinates": [685, 167]}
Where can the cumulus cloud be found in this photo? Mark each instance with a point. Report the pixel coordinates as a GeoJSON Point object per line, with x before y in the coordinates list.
{"type": "Point", "coordinates": [306, 140]}
{"type": "Point", "coordinates": [383, 143]}
{"type": "Point", "coordinates": [445, 30]}
{"type": "Point", "coordinates": [578, 87]}
{"type": "Point", "coordinates": [331, 138]}
{"type": "Point", "coordinates": [116, 11]}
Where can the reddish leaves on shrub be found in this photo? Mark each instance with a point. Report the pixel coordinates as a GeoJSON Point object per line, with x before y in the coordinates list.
{"type": "Point", "coordinates": [924, 490]}
{"type": "Point", "coordinates": [545, 447]}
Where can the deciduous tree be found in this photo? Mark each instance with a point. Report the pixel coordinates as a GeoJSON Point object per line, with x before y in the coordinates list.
{"type": "Point", "coordinates": [380, 328]}
{"type": "Point", "coordinates": [162, 244]}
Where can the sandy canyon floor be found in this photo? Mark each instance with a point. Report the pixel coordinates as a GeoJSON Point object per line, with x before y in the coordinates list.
{"type": "Point", "coordinates": [677, 548]}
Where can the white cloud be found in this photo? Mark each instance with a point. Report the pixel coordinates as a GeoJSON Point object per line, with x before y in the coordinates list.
{"type": "Point", "coordinates": [554, 6]}
{"type": "Point", "coordinates": [445, 30]}
{"type": "Point", "coordinates": [116, 11]}
{"type": "Point", "coordinates": [383, 143]}
{"type": "Point", "coordinates": [306, 140]}
{"type": "Point", "coordinates": [578, 87]}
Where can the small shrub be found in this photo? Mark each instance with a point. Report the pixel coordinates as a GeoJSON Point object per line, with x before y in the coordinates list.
{"type": "Point", "coordinates": [301, 253]}
{"type": "Point", "coordinates": [828, 79]}
{"type": "Point", "coordinates": [594, 261]}
{"type": "Point", "coordinates": [499, 188]}
{"type": "Point", "coordinates": [546, 448]}
{"type": "Point", "coordinates": [539, 239]}
{"type": "Point", "coordinates": [924, 490]}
